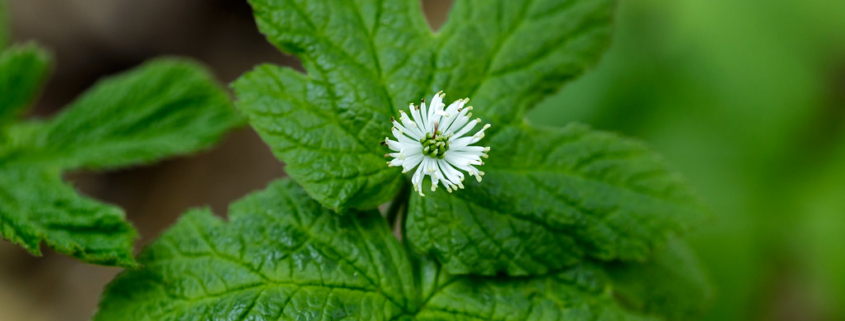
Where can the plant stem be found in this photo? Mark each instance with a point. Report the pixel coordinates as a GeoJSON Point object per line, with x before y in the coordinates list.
{"type": "Point", "coordinates": [399, 204]}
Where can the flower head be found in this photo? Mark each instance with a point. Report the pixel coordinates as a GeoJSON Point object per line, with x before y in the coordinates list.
{"type": "Point", "coordinates": [432, 141]}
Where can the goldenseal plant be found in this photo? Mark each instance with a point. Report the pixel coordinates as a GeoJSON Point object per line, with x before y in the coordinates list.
{"type": "Point", "coordinates": [432, 140]}
{"type": "Point", "coordinates": [568, 223]}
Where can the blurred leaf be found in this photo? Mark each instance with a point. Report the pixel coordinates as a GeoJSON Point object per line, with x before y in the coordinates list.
{"type": "Point", "coordinates": [820, 234]}
{"type": "Point", "coordinates": [726, 90]}
{"type": "Point", "coordinates": [23, 69]}
{"type": "Point", "coordinates": [163, 108]}
{"type": "Point", "coordinates": [36, 206]}
{"type": "Point", "coordinates": [363, 58]}
{"type": "Point", "coordinates": [551, 197]}
{"type": "Point", "coordinates": [670, 284]}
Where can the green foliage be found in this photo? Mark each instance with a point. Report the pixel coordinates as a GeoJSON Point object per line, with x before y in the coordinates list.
{"type": "Point", "coordinates": [748, 107]}
{"type": "Point", "coordinates": [820, 232]}
{"type": "Point", "coordinates": [671, 284]}
{"type": "Point", "coordinates": [22, 71]}
{"type": "Point", "coordinates": [284, 256]}
{"type": "Point", "coordinates": [581, 292]}
{"type": "Point", "coordinates": [36, 206]}
{"type": "Point", "coordinates": [163, 108]}
{"type": "Point", "coordinates": [366, 59]}
{"type": "Point", "coordinates": [503, 56]}
{"type": "Point", "coordinates": [550, 198]}
{"type": "Point", "coordinates": [557, 297]}
{"type": "Point", "coordinates": [280, 250]}
{"type": "Point", "coordinates": [339, 165]}
{"type": "Point", "coordinates": [568, 224]}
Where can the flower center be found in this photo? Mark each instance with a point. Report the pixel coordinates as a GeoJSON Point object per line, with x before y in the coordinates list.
{"type": "Point", "coordinates": [435, 145]}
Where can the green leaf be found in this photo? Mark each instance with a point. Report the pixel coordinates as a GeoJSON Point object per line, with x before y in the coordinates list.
{"type": "Point", "coordinates": [327, 126]}
{"type": "Point", "coordinates": [507, 56]}
{"type": "Point", "coordinates": [282, 256]}
{"type": "Point", "coordinates": [162, 108]}
{"type": "Point", "coordinates": [36, 206]}
{"type": "Point", "coordinates": [339, 167]}
{"type": "Point", "coordinates": [367, 59]}
{"type": "Point", "coordinates": [23, 69]}
{"type": "Point", "coordinates": [671, 284]}
{"type": "Point", "coordinates": [582, 292]}
{"type": "Point", "coordinates": [550, 198]}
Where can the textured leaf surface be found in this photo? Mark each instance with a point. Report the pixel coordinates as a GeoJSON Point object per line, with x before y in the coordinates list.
{"type": "Point", "coordinates": [339, 163]}
{"type": "Point", "coordinates": [578, 293]}
{"type": "Point", "coordinates": [22, 71]}
{"type": "Point", "coordinates": [163, 108]}
{"type": "Point", "coordinates": [366, 59]}
{"type": "Point", "coordinates": [550, 198]}
{"type": "Point", "coordinates": [509, 55]}
{"type": "Point", "coordinates": [283, 256]}
{"type": "Point", "coordinates": [671, 284]}
{"type": "Point", "coordinates": [36, 206]}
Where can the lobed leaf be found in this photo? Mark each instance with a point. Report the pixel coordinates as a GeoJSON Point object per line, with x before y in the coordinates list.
{"type": "Point", "coordinates": [367, 59]}
{"type": "Point", "coordinates": [327, 126]}
{"type": "Point", "coordinates": [23, 69]}
{"type": "Point", "coordinates": [578, 293]}
{"type": "Point", "coordinates": [36, 206]}
{"type": "Point", "coordinates": [163, 108]}
{"type": "Point", "coordinates": [283, 256]}
{"type": "Point", "coordinates": [551, 198]}
{"type": "Point", "coordinates": [339, 166]}
{"type": "Point", "coordinates": [507, 56]}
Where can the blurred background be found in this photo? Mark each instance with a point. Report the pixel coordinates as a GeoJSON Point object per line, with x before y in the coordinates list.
{"type": "Point", "coordinates": [745, 97]}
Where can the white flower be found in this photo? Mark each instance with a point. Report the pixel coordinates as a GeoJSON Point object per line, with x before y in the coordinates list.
{"type": "Point", "coordinates": [433, 139]}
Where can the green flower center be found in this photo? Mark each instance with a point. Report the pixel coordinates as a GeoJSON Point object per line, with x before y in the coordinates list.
{"type": "Point", "coordinates": [435, 146]}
